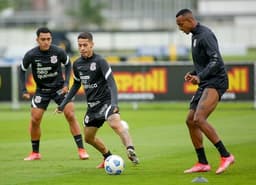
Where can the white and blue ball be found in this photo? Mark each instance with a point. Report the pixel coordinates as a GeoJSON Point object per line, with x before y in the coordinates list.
{"type": "Point", "coordinates": [114, 165]}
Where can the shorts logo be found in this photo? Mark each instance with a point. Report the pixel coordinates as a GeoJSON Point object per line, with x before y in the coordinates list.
{"type": "Point", "coordinates": [86, 119]}
{"type": "Point", "coordinates": [38, 99]}
{"type": "Point", "coordinates": [54, 59]}
{"type": "Point", "coordinates": [93, 66]}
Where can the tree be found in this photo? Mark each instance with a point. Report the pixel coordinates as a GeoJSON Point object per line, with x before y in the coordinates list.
{"type": "Point", "coordinates": [4, 4]}
{"type": "Point", "coordinates": [88, 13]}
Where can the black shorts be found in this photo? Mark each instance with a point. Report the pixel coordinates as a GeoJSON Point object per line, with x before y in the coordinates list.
{"type": "Point", "coordinates": [195, 99]}
{"type": "Point", "coordinates": [42, 98]}
{"type": "Point", "coordinates": [97, 114]}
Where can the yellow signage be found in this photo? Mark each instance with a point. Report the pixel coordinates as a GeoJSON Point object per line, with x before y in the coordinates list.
{"type": "Point", "coordinates": [154, 81]}
{"type": "Point", "coordinates": [238, 81]}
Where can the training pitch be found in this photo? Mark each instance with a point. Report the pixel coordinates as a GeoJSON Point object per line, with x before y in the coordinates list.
{"type": "Point", "coordinates": [160, 137]}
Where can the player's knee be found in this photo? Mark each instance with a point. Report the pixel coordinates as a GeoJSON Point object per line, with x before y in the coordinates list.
{"type": "Point", "coordinates": [117, 127]}
{"type": "Point", "coordinates": [89, 140]}
{"type": "Point", "coordinates": [190, 122]}
{"type": "Point", "coordinates": [199, 119]}
{"type": "Point", "coordinates": [70, 115]}
{"type": "Point", "coordinates": [35, 120]}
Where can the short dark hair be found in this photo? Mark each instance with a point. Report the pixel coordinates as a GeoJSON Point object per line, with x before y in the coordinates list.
{"type": "Point", "coordinates": [183, 12]}
{"type": "Point", "coordinates": [43, 30]}
{"type": "Point", "coordinates": [85, 35]}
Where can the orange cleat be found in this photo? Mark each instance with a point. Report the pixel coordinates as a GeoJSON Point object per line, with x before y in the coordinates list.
{"type": "Point", "coordinates": [101, 165]}
{"type": "Point", "coordinates": [225, 163]}
{"type": "Point", "coordinates": [33, 156]}
{"type": "Point", "coordinates": [83, 155]}
{"type": "Point", "coordinates": [199, 167]}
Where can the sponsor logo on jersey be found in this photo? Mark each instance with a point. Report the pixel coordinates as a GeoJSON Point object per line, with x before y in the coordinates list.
{"type": "Point", "coordinates": [93, 66]}
{"type": "Point", "coordinates": [84, 77]}
{"type": "Point", "coordinates": [90, 86]}
{"type": "Point", "coordinates": [38, 64]}
{"type": "Point", "coordinates": [54, 59]}
{"type": "Point", "coordinates": [93, 104]}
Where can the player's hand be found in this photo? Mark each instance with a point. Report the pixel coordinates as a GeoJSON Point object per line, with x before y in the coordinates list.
{"type": "Point", "coordinates": [195, 80]}
{"type": "Point", "coordinates": [116, 109]}
{"type": "Point", "coordinates": [187, 77]}
{"type": "Point", "coordinates": [58, 111]}
{"type": "Point", "coordinates": [26, 96]}
{"type": "Point", "coordinates": [192, 78]}
{"type": "Point", "coordinates": [65, 90]}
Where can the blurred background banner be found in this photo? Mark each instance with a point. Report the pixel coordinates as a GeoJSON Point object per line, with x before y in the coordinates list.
{"type": "Point", "coordinates": [153, 82]}
{"type": "Point", "coordinates": [5, 83]}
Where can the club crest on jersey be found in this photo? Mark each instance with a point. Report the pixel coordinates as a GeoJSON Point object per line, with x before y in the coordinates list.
{"type": "Point", "coordinates": [54, 59]}
{"type": "Point", "coordinates": [93, 66]}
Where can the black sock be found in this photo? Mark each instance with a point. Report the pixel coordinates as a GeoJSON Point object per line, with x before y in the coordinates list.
{"type": "Point", "coordinates": [35, 146]}
{"type": "Point", "coordinates": [222, 150]}
{"type": "Point", "coordinates": [131, 147]}
{"type": "Point", "coordinates": [201, 156]}
{"type": "Point", "coordinates": [79, 141]}
{"type": "Point", "coordinates": [107, 154]}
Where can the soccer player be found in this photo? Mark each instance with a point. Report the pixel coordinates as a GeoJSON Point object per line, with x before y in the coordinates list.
{"type": "Point", "coordinates": [96, 75]}
{"type": "Point", "coordinates": [46, 62]}
{"type": "Point", "coordinates": [212, 80]}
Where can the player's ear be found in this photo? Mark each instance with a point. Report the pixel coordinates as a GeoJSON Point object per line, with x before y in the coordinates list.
{"type": "Point", "coordinates": [92, 45]}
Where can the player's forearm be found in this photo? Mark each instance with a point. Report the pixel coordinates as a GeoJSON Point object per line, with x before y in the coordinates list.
{"type": "Point", "coordinates": [113, 90]}
{"type": "Point", "coordinates": [211, 69]}
{"type": "Point", "coordinates": [67, 74]}
{"type": "Point", "coordinates": [23, 80]}
{"type": "Point", "coordinates": [192, 72]}
{"type": "Point", "coordinates": [70, 95]}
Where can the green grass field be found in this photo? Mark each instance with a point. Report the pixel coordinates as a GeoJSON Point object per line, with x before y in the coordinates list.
{"type": "Point", "coordinates": [160, 136]}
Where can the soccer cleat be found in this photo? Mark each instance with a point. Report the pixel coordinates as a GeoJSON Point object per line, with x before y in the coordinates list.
{"type": "Point", "coordinates": [199, 167]}
{"type": "Point", "coordinates": [132, 156]}
{"type": "Point", "coordinates": [225, 162]}
{"type": "Point", "coordinates": [33, 156]}
{"type": "Point", "coordinates": [101, 165]}
{"type": "Point", "coordinates": [83, 155]}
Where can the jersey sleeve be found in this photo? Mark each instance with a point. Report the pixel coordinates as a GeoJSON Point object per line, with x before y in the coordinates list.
{"type": "Point", "coordinates": [64, 58]}
{"type": "Point", "coordinates": [107, 72]}
{"type": "Point", "coordinates": [76, 73]}
{"type": "Point", "coordinates": [67, 73]}
{"type": "Point", "coordinates": [210, 45]}
{"type": "Point", "coordinates": [23, 68]}
{"type": "Point", "coordinates": [75, 87]}
{"type": "Point", "coordinates": [25, 62]}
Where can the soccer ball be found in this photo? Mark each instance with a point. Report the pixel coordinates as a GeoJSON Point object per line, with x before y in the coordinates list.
{"type": "Point", "coordinates": [114, 165]}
